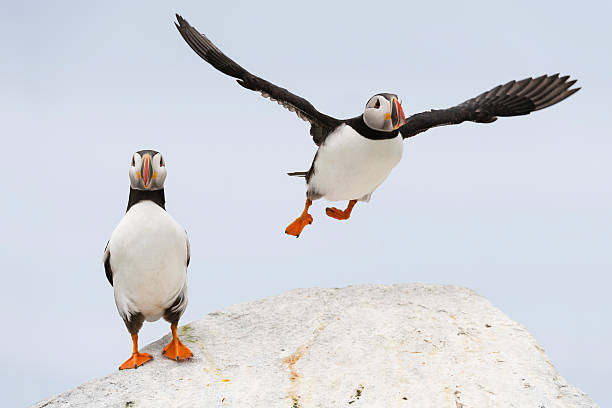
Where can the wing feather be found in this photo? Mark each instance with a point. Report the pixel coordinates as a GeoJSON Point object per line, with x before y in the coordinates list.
{"type": "Point", "coordinates": [188, 249]}
{"type": "Point", "coordinates": [514, 98]}
{"type": "Point", "coordinates": [107, 265]}
{"type": "Point", "coordinates": [321, 124]}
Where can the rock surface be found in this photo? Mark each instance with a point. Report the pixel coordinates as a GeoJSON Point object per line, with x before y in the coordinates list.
{"type": "Point", "coordinates": [409, 345]}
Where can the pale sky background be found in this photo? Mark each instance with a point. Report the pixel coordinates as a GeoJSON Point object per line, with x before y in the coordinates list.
{"type": "Point", "coordinates": [518, 210]}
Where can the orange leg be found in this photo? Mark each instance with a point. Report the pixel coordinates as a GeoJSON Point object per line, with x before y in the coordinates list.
{"type": "Point", "coordinates": [296, 227]}
{"type": "Point", "coordinates": [137, 358]}
{"type": "Point", "coordinates": [176, 350]}
{"type": "Point", "coordinates": [339, 214]}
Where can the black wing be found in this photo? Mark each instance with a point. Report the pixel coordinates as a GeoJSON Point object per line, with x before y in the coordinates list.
{"type": "Point", "coordinates": [512, 99]}
{"type": "Point", "coordinates": [188, 248]}
{"type": "Point", "coordinates": [107, 265]}
{"type": "Point", "coordinates": [321, 125]}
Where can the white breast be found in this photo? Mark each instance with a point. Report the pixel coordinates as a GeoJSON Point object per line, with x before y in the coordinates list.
{"type": "Point", "coordinates": [349, 166]}
{"type": "Point", "coordinates": [148, 256]}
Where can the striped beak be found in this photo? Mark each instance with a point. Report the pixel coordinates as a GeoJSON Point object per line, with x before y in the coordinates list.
{"type": "Point", "coordinates": [146, 170]}
{"type": "Point", "coordinates": [397, 114]}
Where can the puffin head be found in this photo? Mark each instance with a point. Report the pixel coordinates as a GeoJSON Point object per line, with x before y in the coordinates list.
{"type": "Point", "coordinates": [148, 170]}
{"type": "Point", "coordinates": [384, 112]}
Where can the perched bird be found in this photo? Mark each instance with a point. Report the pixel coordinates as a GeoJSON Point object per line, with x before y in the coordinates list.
{"type": "Point", "coordinates": [146, 259]}
{"type": "Point", "coordinates": [356, 155]}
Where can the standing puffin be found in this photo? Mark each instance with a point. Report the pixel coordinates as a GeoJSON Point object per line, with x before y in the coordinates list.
{"type": "Point", "coordinates": [356, 155]}
{"type": "Point", "coordinates": [146, 259]}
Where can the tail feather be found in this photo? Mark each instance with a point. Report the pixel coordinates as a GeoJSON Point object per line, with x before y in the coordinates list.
{"type": "Point", "coordinates": [298, 174]}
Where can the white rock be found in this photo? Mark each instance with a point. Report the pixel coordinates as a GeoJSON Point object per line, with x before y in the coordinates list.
{"type": "Point", "coordinates": [409, 345]}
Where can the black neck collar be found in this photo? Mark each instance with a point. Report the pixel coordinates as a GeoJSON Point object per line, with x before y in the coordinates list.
{"type": "Point", "coordinates": [364, 130]}
{"type": "Point", "coordinates": [136, 196]}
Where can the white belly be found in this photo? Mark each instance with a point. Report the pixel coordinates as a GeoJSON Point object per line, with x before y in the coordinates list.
{"type": "Point", "coordinates": [148, 256]}
{"type": "Point", "coordinates": [350, 167]}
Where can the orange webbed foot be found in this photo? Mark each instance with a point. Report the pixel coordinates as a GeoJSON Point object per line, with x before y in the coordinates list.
{"type": "Point", "coordinates": [137, 358]}
{"type": "Point", "coordinates": [336, 213]}
{"type": "Point", "coordinates": [296, 227]}
{"type": "Point", "coordinates": [135, 361]}
{"type": "Point", "coordinates": [176, 350]}
{"type": "Point", "coordinates": [340, 214]}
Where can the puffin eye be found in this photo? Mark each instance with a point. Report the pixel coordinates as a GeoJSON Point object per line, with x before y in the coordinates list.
{"type": "Point", "coordinates": [377, 104]}
{"type": "Point", "coordinates": [161, 161]}
{"type": "Point", "coordinates": [133, 162]}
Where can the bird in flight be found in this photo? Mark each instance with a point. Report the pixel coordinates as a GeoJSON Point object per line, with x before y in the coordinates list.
{"type": "Point", "coordinates": [356, 155]}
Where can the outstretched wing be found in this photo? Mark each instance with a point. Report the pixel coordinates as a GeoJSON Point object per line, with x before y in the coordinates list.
{"type": "Point", "coordinates": [321, 124]}
{"type": "Point", "coordinates": [512, 99]}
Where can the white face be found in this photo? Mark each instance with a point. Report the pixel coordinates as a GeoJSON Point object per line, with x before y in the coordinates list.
{"type": "Point", "coordinates": [148, 170]}
{"type": "Point", "coordinates": [384, 112]}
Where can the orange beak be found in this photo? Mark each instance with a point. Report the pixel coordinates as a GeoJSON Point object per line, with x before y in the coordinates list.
{"type": "Point", "coordinates": [402, 116]}
{"type": "Point", "coordinates": [397, 114]}
{"type": "Point", "coordinates": [146, 170]}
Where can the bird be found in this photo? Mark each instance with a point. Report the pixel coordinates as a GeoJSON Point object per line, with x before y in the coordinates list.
{"type": "Point", "coordinates": [356, 155]}
{"type": "Point", "coordinates": [146, 259]}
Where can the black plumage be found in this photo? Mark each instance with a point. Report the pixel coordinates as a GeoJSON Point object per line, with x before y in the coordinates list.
{"type": "Point", "coordinates": [107, 265]}
{"type": "Point", "coordinates": [515, 98]}
{"type": "Point", "coordinates": [136, 196]}
{"type": "Point", "coordinates": [173, 313]}
{"type": "Point", "coordinates": [133, 322]}
{"type": "Point", "coordinates": [321, 124]}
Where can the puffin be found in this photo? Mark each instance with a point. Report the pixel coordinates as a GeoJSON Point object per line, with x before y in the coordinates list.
{"type": "Point", "coordinates": [356, 155]}
{"type": "Point", "coordinates": [146, 259]}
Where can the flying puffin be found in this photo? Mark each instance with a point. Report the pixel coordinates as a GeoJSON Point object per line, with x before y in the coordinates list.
{"type": "Point", "coordinates": [146, 259]}
{"type": "Point", "coordinates": [356, 155]}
